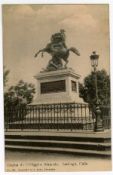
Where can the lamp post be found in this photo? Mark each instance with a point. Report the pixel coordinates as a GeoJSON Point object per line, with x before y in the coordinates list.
{"type": "Point", "coordinates": [94, 63]}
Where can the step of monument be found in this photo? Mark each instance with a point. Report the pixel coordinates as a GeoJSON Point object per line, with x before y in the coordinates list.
{"type": "Point", "coordinates": [81, 125]}
{"type": "Point", "coordinates": [60, 143]}
{"type": "Point", "coordinates": [78, 137]}
{"type": "Point", "coordinates": [60, 150]}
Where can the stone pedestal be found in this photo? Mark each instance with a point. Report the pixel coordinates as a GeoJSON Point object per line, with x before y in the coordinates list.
{"type": "Point", "coordinates": [61, 86]}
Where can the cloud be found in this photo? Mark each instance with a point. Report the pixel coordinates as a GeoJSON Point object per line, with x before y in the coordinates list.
{"type": "Point", "coordinates": [21, 10]}
{"type": "Point", "coordinates": [49, 14]}
{"type": "Point", "coordinates": [81, 22]}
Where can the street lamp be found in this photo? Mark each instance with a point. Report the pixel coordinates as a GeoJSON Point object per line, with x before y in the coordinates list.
{"type": "Point", "coordinates": [94, 63]}
{"type": "Point", "coordinates": [94, 59]}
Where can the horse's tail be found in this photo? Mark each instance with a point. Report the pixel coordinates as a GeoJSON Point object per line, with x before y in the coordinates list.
{"type": "Point", "coordinates": [74, 50]}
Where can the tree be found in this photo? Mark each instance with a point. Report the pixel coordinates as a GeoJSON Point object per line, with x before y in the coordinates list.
{"type": "Point", "coordinates": [88, 92]}
{"type": "Point", "coordinates": [19, 95]}
{"type": "Point", "coordinates": [5, 76]}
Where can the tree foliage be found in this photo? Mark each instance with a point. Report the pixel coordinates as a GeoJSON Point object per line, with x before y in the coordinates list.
{"type": "Point", "coordinates": [88, 90]}
{"type": "Point", "coordinates": [19, 95]}
{"type": "Point", "coordinates": [5, 76]}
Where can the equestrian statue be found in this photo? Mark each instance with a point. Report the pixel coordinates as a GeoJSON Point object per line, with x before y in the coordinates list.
{"type": "Point", "coordinates": [58, 50]}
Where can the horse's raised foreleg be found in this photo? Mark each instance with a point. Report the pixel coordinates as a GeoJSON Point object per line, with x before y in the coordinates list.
{"type": "Point", "coordinates": [39, 52]}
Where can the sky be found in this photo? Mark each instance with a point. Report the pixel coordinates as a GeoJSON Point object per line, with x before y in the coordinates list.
{"type": "Point", "coordinates": [28, 28]}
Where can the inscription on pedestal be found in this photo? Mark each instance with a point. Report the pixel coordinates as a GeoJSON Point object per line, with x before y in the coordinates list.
{"type": "Point", "coordinates": [54, 86]}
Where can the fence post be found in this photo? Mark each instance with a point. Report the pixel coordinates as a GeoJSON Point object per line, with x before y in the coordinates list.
{"type": "Point", "coordinates": [98, 123]}
{"type": "Point", "coordinates": [6, 120]}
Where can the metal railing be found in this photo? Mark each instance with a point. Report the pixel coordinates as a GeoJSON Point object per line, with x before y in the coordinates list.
{"type": "Point", "coordinates": [106, 116]}
{"type": "Point", "coordinates": [65, 116]}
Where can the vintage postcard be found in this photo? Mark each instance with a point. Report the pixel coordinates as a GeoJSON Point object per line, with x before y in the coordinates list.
{"type": "Point", "coordinates": [57, 112]}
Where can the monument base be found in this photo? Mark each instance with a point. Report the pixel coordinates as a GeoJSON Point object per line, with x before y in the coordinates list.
{"type": "Point", "coordinates": [61, 86]}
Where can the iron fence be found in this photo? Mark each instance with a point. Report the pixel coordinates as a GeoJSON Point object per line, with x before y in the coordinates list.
{"type": "Point", "coordinates": [106, 116]}
{"type": "Point", "coordinates": [65, 116]}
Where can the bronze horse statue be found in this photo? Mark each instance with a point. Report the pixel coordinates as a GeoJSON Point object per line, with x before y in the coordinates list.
{"type": "Point", "coordinates": [58, 50]}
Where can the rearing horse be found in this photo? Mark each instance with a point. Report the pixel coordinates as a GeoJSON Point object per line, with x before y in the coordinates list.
{"type": "Point", "coordinates": [59, 51]}
{"type": "Point", "coordinates": [57, 56]}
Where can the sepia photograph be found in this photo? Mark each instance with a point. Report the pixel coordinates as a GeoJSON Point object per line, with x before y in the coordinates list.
{"type": "Point", "coordinates": [56, 76]}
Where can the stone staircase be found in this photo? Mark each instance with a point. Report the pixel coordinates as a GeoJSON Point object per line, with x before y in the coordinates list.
{"type": "Point", "coordinates": [92, 144]}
